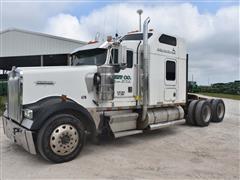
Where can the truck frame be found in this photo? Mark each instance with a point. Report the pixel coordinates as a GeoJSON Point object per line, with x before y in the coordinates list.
{"type": "Point", "coordinates": [124, 86]}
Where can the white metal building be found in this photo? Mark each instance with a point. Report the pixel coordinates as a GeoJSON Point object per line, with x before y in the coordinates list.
{"type": "Point", "coordinates": [27, 48]}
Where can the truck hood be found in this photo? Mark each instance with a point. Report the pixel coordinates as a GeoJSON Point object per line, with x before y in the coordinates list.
{"type": "Point", "coordinates": [76, 82]}
{"type": "Point", "coordinates": [54, 68]}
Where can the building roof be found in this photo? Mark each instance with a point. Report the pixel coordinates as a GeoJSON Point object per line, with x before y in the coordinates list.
{"type": "Point", "coordinates": [17, 42]}
{"type": "Point", "coordinates": [41, 34]}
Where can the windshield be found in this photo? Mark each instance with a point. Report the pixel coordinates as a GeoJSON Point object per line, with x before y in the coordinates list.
{"type": "Point", "coordinates": [90, 57]}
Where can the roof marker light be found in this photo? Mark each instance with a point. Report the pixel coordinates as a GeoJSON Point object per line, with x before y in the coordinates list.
{"type": "Point", "coordinates": [133, 31]}
{"type": "Point", "coordinates": [92, 42]}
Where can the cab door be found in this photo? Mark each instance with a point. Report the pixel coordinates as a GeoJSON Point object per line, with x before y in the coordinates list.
{"type": "Point", "coordinates": [170, 90]}
{"type": "Point", "coordinates": [124, 79]}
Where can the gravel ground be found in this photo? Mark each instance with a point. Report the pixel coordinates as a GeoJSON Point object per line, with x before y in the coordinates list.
{"type": "Point", "coordinates": [180, 152]}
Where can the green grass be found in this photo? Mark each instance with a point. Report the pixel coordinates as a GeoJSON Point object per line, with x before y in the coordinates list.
{"type": "Point", "coordinates": [220, 95]}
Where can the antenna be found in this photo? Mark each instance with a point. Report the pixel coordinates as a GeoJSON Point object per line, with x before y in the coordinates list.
{"type": "Point", "coordinates": [140, 11]}
{"type": "Point", "coordinates": [104, 27]}
{"type": "Point", "coordinates": [117, 20]}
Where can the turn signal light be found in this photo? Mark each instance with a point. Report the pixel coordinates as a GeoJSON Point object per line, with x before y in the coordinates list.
{"type": "Point", "coordinates": [28, 113]}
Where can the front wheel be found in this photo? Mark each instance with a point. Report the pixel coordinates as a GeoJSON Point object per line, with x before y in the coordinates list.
{"type": "Point", "coordinates": [61, 138]}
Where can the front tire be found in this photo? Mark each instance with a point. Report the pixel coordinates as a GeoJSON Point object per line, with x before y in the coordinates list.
{"type": "Point", "coordinates": [61, 138]}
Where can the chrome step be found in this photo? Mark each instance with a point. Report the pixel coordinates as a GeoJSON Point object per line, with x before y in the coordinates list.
{"type": "Point", "coordinates": [127, 133]}
{"type": "Point", "coordinates": [166, 124]}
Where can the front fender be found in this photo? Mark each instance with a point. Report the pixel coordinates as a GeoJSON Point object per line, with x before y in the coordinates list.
{"type": "Point", "coordinates": [47, 107]}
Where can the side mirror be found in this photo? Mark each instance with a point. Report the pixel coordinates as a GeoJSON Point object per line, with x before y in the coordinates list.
{"type": "Point", "coordinates": [122, 55]}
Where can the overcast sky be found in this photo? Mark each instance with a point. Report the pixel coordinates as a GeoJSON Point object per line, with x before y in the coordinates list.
{"type": "Point", "coordinates": [211, 29]}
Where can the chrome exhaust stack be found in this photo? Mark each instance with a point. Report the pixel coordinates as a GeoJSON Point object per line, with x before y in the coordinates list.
{"type": "Point", "coordinates": [145, 68]}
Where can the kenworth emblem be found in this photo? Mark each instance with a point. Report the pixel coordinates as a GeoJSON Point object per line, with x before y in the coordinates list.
{"type": "Point", "coordinates": [44, 83]}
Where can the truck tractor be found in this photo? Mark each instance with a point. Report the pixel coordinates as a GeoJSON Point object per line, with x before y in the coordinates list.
{"type": "Point", "coordinates": [123, 86]}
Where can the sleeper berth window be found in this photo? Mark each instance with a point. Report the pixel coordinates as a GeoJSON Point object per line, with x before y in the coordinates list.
{"type": "Point", "coordinates": [170, 70]}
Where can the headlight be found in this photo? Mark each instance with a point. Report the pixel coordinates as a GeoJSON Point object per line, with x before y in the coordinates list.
{"type": "Point", "coordinates": [28, 113]}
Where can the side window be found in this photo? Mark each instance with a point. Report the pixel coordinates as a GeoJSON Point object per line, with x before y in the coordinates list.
{"type": "Point", "coordinates": [170, 70]}
{"type": "Point", "coordinates": [129, 59]}
{"type": "Point", "coordinates": [170, 40]}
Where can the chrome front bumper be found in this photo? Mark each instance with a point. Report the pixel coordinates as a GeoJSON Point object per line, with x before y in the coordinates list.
{"type": "Point", "coordinates": [19, 134]}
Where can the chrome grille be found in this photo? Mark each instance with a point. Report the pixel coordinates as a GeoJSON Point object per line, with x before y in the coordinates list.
{"type": "Point", "coordinates": [14, 96]}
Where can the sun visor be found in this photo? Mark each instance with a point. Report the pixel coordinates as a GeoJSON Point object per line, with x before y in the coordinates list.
{"type": "Point", "coordinates": [102, 45]}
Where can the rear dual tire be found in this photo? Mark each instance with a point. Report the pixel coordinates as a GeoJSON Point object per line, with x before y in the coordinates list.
{"type": "Point", "coordinates": [191, 113]}
{"type": "Point", "coordinates": [202, 112]}
{"type": "Point", "coordinates": [199, 113]}
{"type": "Point", "coordinates": [218, 109]}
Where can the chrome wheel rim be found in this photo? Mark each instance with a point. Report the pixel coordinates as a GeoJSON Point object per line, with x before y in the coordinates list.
{"type": "Point", "coordinates": [206, 113]}
{"type": "Point", "coordinates": [220, 110]}
{"type": "Point", "coordinates": [64, 139]}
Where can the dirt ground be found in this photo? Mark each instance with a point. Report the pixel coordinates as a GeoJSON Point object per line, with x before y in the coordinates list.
{"type": "Point", "coordinates": [180, 152]}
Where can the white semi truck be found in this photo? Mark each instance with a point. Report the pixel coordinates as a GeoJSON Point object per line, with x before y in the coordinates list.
{"type": "Point", "coordinates": [120, 87]}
